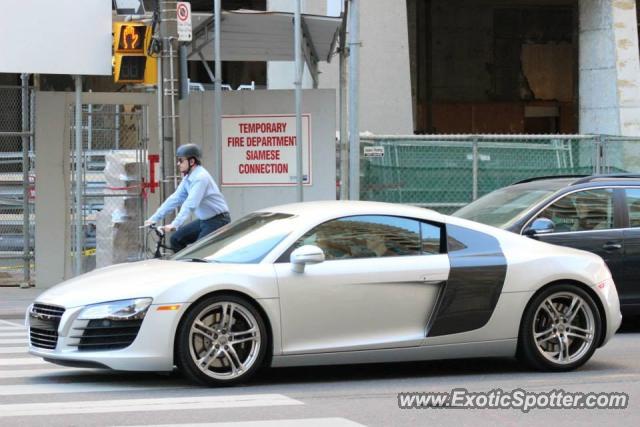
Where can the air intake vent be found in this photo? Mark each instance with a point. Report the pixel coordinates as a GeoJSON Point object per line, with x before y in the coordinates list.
{"type": "Point", "coordinates": [43, 325]}
{"type": "Point", "coordinates": [43, 338]}
{"type": "Point", "coordinates": [104, 334]}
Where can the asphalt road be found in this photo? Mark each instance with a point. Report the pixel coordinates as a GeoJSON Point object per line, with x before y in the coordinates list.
{"type": "Point", "coordinates": [35, 393]}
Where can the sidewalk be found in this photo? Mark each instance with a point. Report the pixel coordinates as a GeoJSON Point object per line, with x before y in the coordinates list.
{"type": "Point", "coordinates": [15, 301]}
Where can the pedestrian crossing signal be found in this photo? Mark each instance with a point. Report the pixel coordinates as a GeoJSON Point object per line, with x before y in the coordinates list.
{"type": "Point", "coordinates": [131, 64]}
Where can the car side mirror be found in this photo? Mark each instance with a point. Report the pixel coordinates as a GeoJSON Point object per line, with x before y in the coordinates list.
{"type": "Point", "coordinates": [307, 254]}
{"type": "Point", "coordinates": [540, 226]}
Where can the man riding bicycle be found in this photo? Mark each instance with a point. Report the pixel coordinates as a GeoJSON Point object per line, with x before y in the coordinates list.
{"type": "Point", "coordinates": [197, 193]}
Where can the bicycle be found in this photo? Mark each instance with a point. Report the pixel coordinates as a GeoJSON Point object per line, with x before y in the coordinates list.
{"type": "Point", "coordinates": [160, 240]}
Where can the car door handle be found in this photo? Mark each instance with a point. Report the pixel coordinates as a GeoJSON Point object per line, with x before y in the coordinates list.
{"type": "Point", "coordinates": [431, 281]}
{"type": "Point", "coordinates": [611, 246]}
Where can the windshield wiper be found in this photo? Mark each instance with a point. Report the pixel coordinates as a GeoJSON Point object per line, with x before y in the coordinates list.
{"type": "Point", "coordinates": [194, 260]}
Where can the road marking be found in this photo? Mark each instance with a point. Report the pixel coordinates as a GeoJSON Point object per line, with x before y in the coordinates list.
{"type": "Point", "coordinates": [16, 361]}
{"type": "Point", "coordinates": [12, 341]}
{"type": "Point", "coordinates": [31, 373]}
{"type": "Point", "coordinates": [33, 389]}
{"type": "Point", "coordinates": [148, 405]}
{"type": "Point", "coordinates": [8, 350]}
{"type": "Point", "coordinates": [7, 323]}
{"type": "Point", "coordinates": [14, 334]}
{"type": "Point", "coordinates": [12, 329]}
{"type": "Point", "coordinates": [308, 422]}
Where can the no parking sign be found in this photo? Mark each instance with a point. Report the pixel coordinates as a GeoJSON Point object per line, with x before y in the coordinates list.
{"type": "Point", "coordinates": [183, 15]}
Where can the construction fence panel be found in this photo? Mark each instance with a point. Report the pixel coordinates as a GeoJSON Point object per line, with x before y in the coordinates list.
{"type": "Point", "coordinates": [445, 172]}
{"type": "Point", "coordinates": [113, 171]}
{"type": "Point", "coordinates": [620, 154]}
{"type": "Point", "coordinates": [16, 150]}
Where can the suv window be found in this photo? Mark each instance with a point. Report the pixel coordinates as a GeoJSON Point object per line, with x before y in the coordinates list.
{"type": "Point", "coordinates": [633, 204]}
{"type": "Point", "coordinates": [371, 236]}
{"type": "Point", "coordinates": [582, 211]}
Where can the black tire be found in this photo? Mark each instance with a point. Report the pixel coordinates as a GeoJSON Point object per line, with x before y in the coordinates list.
{"type": "Point", "coordinates": [548, 338]}
{"type": "Point", "coordinates": [224, 363]}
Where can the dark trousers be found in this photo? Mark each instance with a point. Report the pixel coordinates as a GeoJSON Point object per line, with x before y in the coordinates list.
{"type": "Point", "coordinates": [196, 230]}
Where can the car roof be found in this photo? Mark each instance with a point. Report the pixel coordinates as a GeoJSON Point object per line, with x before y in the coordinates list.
{"type": "Point", "coordinates": [558, 182]}
{"type": "Point", "coordinates": [324, 210]}
{"type": "Point", "coordinates": [545, 184]}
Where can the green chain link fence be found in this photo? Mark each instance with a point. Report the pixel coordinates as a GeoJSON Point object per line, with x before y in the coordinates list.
{"type": "Point", "coordinates": [447, 172]}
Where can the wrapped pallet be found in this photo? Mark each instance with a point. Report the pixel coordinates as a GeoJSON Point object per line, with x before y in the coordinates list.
{"type": "Point", "coordinates": [118, 237]}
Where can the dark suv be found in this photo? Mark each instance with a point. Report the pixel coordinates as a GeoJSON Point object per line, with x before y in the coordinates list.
{"type": "Point", "coordinates": [599, 213]}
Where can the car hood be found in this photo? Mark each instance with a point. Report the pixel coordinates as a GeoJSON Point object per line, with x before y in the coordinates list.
{"type": "Point", "coordinates": [133, 280]}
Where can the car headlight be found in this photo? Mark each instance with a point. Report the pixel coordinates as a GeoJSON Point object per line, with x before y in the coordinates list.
{"type": "Point", "coordinates": [117, 310]}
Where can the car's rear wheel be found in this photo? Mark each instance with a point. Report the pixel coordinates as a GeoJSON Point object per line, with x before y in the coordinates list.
{"type": "Point", "coordinates": [221, 341]}
{"type": "Point", "coordinates": [560, 330]}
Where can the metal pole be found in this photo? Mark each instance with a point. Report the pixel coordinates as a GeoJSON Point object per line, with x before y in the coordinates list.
{"type": "Point", "coordinates": [26, 235]}
{"type": "Point", "coordinates": [183, 72]}
{"type": "Point", "coordinates": [78, 178]}
{"type": "Point", "coordinates": [344, 141]}
{"type": "Point", "coordinates": [474, 172]}
{"type": "Point", "coordinates": [598, 153]}
{"type": "Point", "coordinates": [354, 114]}
{"type": "Point", "coordinates": [217, 95]}
{"type": "Point", "coordinates": [174, 141]}
{"type": "Point", "coordinates": [297, 82]}
{"type": "Point", "coordinates": [168, 36]}
{"type": "Point", "coordinates": [117, 125]}
{"type": "Point", "coordinates": [144, 173]}
{"type": "Point", "coordinates": [89, 131]}
{"type": "Point", "coordinates": [161, 170]}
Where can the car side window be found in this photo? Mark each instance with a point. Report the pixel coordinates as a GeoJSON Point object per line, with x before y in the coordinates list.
{"type": "Point", "coordinates": [582, 211]}
{"type": "Point", "coordinates": [431, 236]}
{"type": "Point", "coordinates": [633, 204]}
{"type": "Point", "coordinates": [366, 236]}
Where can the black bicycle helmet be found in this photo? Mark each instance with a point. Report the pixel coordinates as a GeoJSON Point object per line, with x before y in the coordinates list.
{"type": "Point", "coordinates": [189, 150]}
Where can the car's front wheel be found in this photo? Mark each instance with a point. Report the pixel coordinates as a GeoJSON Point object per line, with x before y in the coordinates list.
{"type": "Point", "coordinates": [560, 330]}
{"type": "Point", "coordinates": [221, 341]}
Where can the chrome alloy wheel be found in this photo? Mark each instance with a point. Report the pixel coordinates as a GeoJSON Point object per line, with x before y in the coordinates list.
{"type": "Point", "coordinates": [224, 340]}
{"type": "Point", "coordinates": [564, 328]}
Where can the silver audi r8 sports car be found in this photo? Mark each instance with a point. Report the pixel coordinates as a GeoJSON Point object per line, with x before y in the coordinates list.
{"type": "Point", "coordinates": [329, 283]}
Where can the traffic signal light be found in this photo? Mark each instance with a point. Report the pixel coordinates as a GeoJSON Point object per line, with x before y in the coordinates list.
{"type": "Point", "coordinates": [131, 64]}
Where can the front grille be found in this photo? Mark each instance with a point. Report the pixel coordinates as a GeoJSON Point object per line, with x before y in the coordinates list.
{"type": "Point", "coordinates": [105, 334]}
{"type": "Point", "coordinates": [49, 310]}
{"type": "Point", "coordinates": [44, 320]}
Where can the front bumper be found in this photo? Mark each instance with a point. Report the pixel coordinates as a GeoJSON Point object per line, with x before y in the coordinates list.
{"type": "Point", "coordinates": [608, 295]}
{"type": "Point", "coordinates": [151, 350]}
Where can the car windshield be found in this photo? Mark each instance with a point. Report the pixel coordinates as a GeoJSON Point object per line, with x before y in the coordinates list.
{"type": "Point", "coordinates": [246, 241]}
{"type": "Point", "coordinates": [503, 207]}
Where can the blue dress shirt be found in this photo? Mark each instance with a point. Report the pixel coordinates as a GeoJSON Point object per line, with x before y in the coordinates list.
{"type": "Point", "coordinates": [197, 192]}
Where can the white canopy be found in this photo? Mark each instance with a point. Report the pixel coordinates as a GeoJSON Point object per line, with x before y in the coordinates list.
{"type": "Point", "coordinates": [265, 36]}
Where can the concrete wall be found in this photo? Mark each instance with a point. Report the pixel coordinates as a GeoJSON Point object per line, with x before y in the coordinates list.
{"type": "Point", "coordinates": [52, 246]}
{"type": "Point", "coordinates": [385, 84]}
{"type": "Point", "coordinates": [319, 103]}
{"type": "Point", "coordinates": [609, 68]}
{"type": "Point", "coordinates": [53, 186]}
{"type": "Point", "coordinates": [53, 141]}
